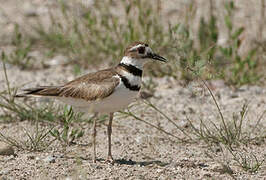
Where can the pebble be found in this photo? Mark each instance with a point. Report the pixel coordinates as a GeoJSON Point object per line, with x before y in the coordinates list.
{"type": "Point", "coordinates": [234, 95]}
{"type": "Point", "coordinates": [29, 10]}
{"type": "Point", "coordinates": [31, 157]}
{"type": "Point", "coordinates": [50, 159]}
{"type": "Point", "coordinates": [6, 150]}
{"type": "Point", "coordinates": [139, 139]}
{"type": "Point", "coordinates": [87, 3]}
{"type": "Point", "coordinates": [4, 172]}
{"type": "Point", "coordinates": [243, 88]}
{"type": "Point", "coordinates": [145, 94]}
{"type": "Point", "coordinates": [258, 90]}
{"type": "Point", "coordinates": [183, 124]}
{"type": "Point", "coordinates": [8, 66]}
{"type": "Point", "coordinates": [3, 18]}
{"type": "Point", "coordinates": [57, 60]}
{"type": "Point", "coordinates": [217, 83]}
{"type": "Point", "coordinates": [160, 170]}
{"type": "Point", "coordinates": [35, 54]}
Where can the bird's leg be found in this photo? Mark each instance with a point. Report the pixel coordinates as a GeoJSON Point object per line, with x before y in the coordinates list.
{"type": "Point", "coordinates": [94, 136]}
{"type": "Point", "coordinates": [109, 132]}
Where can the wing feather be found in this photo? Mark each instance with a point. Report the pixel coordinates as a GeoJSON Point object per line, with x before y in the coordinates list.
{"type": "Point", "coordinates": [92, 86]}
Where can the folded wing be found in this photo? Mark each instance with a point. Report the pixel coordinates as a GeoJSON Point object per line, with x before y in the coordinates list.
{"type": "Point", "coordinates": [89, 87]}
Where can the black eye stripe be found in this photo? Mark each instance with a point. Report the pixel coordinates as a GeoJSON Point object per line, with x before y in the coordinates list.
{"type": "Point", "coordinates": [141, 50]}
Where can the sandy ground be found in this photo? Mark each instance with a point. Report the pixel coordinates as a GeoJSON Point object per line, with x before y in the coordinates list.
{"type": "Point", "coordinates": [140, 151]}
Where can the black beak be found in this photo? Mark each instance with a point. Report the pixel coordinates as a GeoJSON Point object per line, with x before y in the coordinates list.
{"type": "Point", "coordinates": [156, 57]}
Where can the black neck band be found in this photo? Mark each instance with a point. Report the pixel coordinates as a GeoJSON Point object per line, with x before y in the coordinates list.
{"type": "Point", "coordinates": [132, 69]}
{"type": "Point", "coordinates": [128, 85]}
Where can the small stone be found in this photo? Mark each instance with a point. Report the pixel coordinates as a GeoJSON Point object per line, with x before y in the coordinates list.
{"type": "Point", "coordinates": [31, 157]}
{"type": "Point", "coordinates": [145, 94]}
{"type": "Point", "coordinates": [6, 150]}
{"type": "Point", "coordinates": [49, 159]}
{"type": "Point", "coordinates": [4, 172]}
{"type": "Point", "coordinates": [3, 18]}
{"type": "Point", "coordinates": [258, 90]}
{"type": "Point", "coordinates": [184, 124]}
{"type": "Point", "coordinates": [217, 83]}
{"type": "Point", "coordinates": [191, 110]}
{"type": "Point", "coordinates": [34, 54]}
{"type": "Point", "coordinates": [202, 165]}
{"type": "Point", "coordinates": [29, 10]}
{"type": "Point", "coordinates": [217, 149]}
{"type": "Point", "coordinates": [87, 3]}
{"type": "Point", "coordinates": [139, 139]}
{"type": "Point", "coordinates": [57, 60]}
{"type": "Point", "coordinates": [234, 95]}
{"type": "Point", "coordinates": [243, 88]}
{"type": "Point", "coordinates": [159, 170]}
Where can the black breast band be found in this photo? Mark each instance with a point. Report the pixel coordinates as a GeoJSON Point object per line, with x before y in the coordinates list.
{"type": "Point", "coordinates": [128, 85]}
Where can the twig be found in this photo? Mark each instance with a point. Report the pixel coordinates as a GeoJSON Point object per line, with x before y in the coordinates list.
{"type": "Point", "coordinates": [160, 129]}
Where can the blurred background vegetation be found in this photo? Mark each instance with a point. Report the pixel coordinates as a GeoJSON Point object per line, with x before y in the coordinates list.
{"type": "Point", "coordinates": [211, 39]}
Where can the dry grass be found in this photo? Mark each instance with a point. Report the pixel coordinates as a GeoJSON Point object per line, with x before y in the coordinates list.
{"type": "Point", "coordinates": [91, 35]}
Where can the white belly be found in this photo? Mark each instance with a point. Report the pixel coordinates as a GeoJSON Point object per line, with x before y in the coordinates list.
{"type": "Point", "coordinates": [118, 100]}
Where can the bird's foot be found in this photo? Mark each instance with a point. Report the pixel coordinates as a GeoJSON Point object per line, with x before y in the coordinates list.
{"type": "Point", "coordinates": [110, 159]}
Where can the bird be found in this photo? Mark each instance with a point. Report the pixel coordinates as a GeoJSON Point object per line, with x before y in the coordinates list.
{"type": "Point", "coordinates": [103, 92]}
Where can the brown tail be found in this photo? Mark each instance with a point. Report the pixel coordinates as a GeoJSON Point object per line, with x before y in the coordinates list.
{"type": "Point", "coordinates": [41, 91]}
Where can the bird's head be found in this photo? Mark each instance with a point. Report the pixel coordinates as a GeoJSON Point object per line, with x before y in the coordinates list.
{"type": "Point", "coordinates": [139, 53]}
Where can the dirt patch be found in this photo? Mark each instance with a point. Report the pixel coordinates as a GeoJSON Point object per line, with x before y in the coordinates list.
{"type": "Point", "coordinates": [140, 151]}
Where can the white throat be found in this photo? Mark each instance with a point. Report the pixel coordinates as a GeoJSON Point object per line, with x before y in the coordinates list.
{"type": "Point", "coordinates": [134, 62]}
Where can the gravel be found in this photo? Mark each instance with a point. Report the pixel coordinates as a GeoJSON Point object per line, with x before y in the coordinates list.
{"type": "Point", "coordinates": [140, 151]}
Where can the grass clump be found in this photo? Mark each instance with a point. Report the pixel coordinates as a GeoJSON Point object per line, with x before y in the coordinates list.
{"type": "Point", "coordinates": [230, 136]}
{"type": "Point", "coordinates": [229, 132]}
{"type": "Point", "coordinates": [98, 34]}
{"type": "Point", "coordinates": [20, 55]}
{"type": "Point", "coordinates": [13, 110]}
{"type": "Point", "coordinates": [247, 161]}
{"type": "Point", "coordinates": [68, 134]}
{"type": "Point", "coordinates": [40, 137]}
{"type": "Point", "coordinates": [234, 138]}
{"type": "Point", "coordinates": [210, 59]}
{"type": "Point", "coordinates": [244, 69]}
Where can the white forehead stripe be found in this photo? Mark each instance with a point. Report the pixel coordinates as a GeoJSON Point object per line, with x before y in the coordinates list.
{"type": "Point", "coordinates": [136, 47]}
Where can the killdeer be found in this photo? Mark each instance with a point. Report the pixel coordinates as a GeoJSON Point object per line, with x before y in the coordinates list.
{"type": "Point", "coordinates": [105, 91]}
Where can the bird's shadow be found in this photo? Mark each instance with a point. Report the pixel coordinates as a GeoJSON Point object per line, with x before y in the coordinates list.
{"type": "Point", "coordinates": [140, 163]}
{"type": "Point", "coordinates": [129, 162]}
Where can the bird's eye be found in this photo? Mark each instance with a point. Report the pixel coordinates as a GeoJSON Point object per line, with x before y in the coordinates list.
{"type": "Point", "coordinates": [141, 50]}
